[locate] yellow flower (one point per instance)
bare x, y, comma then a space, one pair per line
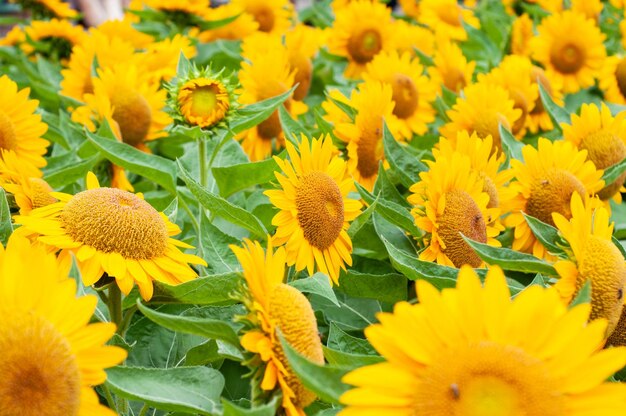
189, 7
361, 30
539, 119
124, 30
481, 110
408, 37
570, 47
604, 138
160, 59
590, 8
203, 102
411, 8
593, 258
20, 128
450, 200
241, 27
49, 8
412, 92
60, 36
51, 356
612, 79
545, 182
315, 210
273, 16
521, 34
451, 68
474, 351
274, 306
302, 43
115, 232
14, 37
446, 18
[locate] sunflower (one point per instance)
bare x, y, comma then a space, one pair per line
521, 34
273, 16
590, 8
594, 258
180, 10
28, 192
412, 92
570, 47
52, 38
114, 232
48, 8
124, 30
135, 104
539, 119
160, 59
409, 37
241, 27
545, 182
51, 356
446, 18
612, 79
481, 110
274, 306
410, 8
361, 30
450, 201
302, 43
604, 138
266, 73
315, 210
20, 128
451, 68
13, 37
474, 351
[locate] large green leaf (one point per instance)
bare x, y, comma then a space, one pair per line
510, 145
340, 340
234, 178
612, 173
362, 219
253, 114
207, 290
292, 129
391, 211
267, 409
214, 245
318, 284
350, 360
557, 113
6, 228
406, 165
70, 173
390, 287
194, 390
545, 233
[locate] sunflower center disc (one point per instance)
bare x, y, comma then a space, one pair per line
365, 45
454, 80
8, 140
40, 193
203, 101
605, 149
265, 18
568, 58
40, 376
405, 96
538, 76
553, 193
133, 115
369, 152
461, 215
112, 220
320, 209
620, 76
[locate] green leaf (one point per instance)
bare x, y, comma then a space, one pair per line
323, 380
216, 24
511, 260
345, 107
6, 228
207, 290
318, 284
583, 295
557, 114
204, 327
221, 207
362, 219
194, 390
349, 360
212, 351
214, 245
340, 340
619, 245
404, 164
71, 173
391, 211
510, 145
234, 178
153, 167
545, 233
292, 129
389, 287
253, 114
267, 409
612, 173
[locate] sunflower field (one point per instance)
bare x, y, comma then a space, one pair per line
352, 208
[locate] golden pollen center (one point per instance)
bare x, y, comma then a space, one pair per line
369, 152
40, 196
293, 316
132, 113
203, 101
605, 149
553, 193
363, 46
461, 216
620, 76
603, 264
40, 376
568, 58
405, 96
8, 139
112, 220
265, 18
454, 80
320, 209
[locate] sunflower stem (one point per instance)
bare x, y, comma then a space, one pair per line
144, 410
109, 397
115, 306
193, 219
126, 320
202, 161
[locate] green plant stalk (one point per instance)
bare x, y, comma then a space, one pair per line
114, 303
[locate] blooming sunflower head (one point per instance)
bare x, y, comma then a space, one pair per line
52, 38
570, 46
276, 307
544, 183
449, 203
51, 357
446, 18
241, 27
451, 68
521, 34
472, 350
114, 232
272, 16
315, 210
302, 43
48, 8
593, 258
613, 79
604, 138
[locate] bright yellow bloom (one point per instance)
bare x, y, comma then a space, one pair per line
272, 16
124, 30
408, 37
590, 8
242, 26
190, 7
203, 102
302, 43
411, 8
612, 79
521, 34
446, 18
539, 119
451, 68
50, 8
60, 35
13, 37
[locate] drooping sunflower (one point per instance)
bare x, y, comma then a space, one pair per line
446, 18
521, 34
474, 351
28, 191
361, 30
134, 103
48, 8
51, 356
481, 110
450, 200
241, 27
114, 232
412, 92
273, 16
315, 210
604, 138
594, 258
570, 47
52, 38
545, 182
274, 306
20, 128
451, 67
612, 79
